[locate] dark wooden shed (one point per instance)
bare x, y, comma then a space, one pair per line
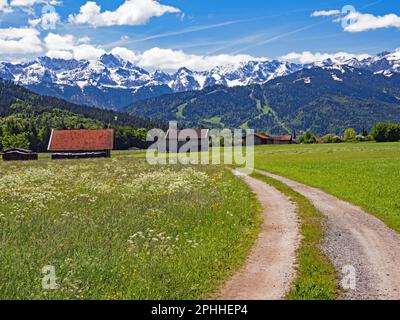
194, 140
19, 154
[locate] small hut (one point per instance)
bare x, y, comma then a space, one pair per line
194, 140
16, 154
78, 144
262, 138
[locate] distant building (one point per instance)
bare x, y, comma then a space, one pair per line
76, 144
195, 140
16, 154
287, 139
262, 138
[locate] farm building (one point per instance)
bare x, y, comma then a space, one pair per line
15, 154
195, 140
262, 138
77, 144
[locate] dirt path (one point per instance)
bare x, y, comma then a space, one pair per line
358, 239
270, 268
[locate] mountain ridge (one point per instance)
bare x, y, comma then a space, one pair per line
111, 82
325, 99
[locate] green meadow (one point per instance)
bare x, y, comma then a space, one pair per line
365, 174
122, 229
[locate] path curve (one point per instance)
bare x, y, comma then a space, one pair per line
270, 268
358, 239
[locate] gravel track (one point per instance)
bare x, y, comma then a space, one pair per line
270, 267
357, 239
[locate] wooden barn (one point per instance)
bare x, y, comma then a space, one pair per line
78, 144
262, 138
16, 154
196, 139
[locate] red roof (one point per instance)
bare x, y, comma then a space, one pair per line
81, 140
274, 138
283, 138
262, 136
192, 134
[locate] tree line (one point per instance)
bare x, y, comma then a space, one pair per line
30, 128
381, 132
26, 120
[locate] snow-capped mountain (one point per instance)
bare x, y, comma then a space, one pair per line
112, 82
110, 71
386, 63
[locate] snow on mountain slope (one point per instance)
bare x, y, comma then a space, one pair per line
110, 71
112, 75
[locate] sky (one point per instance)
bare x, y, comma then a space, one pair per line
197, 34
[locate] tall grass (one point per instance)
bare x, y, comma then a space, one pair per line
121, 229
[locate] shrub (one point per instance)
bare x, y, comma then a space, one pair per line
307, 138
369, 138
337, 139
360, 138
328, 138
385, 132
15, 141
349, 135
393, 132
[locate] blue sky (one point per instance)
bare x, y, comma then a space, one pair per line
200, 33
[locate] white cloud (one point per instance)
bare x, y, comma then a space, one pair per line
47, 20
19, 41
68, 47
57, 42
131, 12
325, 13
310, 57
168, 59
29, 3
60, 54
365, 21
125, 53
87, 51
5, 7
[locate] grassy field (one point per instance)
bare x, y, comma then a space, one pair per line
365, 174
121, 229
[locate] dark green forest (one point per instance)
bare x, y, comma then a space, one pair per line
26, 120
318, 100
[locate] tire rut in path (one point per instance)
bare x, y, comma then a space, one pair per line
358, 239
270, 268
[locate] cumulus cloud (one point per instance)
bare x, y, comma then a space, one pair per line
7, 6
68, 47
310, 57
19, 41
131, 12
168, 59
325, 13
364, 21
4, 6
125, 53
47, 20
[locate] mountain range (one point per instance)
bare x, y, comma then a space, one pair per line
324, 99
111, 82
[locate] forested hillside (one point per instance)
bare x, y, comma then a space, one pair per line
26, 120
321, 100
